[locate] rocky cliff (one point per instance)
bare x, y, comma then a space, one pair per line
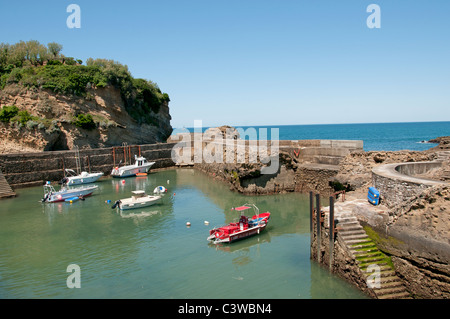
51, 125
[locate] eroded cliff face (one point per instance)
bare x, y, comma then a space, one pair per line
56, 112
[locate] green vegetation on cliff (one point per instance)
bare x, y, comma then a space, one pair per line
35, 65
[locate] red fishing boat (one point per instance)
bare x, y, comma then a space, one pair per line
245, 227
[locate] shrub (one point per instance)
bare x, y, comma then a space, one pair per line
54, 62
85, 121
24, 117
32, 124
8, 112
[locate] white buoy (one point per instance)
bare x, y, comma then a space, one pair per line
168, 182
206, 222
188, 224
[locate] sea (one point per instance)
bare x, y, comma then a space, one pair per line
413, 136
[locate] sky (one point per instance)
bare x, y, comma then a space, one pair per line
262, 62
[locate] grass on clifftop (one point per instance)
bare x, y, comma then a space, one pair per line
34, 65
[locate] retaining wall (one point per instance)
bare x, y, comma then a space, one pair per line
397, 183
29, 169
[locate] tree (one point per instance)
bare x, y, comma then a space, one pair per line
36, 53
16, 54
54, 48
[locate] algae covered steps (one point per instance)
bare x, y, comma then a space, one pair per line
5, 189
375, 266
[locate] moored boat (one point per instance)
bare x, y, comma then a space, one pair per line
73, 178
52, 196
245, 227
139, 199
141, 165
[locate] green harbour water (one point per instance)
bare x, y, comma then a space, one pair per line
150, 253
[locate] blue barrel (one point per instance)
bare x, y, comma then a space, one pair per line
373, 196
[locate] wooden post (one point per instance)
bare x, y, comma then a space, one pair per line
311, 211
89, 163
311, 217
318, 226
331, 224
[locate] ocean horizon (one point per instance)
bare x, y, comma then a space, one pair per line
393, 136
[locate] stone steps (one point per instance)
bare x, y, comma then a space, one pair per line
371, 261
442, 156
5, 189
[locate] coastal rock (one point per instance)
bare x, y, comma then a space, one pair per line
443, 141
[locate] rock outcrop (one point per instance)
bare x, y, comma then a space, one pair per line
444, 143
56, 131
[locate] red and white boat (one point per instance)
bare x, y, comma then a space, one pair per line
245, 227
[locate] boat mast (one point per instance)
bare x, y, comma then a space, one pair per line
77, 159
254, 207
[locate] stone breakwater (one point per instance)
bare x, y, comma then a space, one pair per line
300, 165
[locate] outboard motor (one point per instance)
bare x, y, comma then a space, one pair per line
159, 190
116, 204
45, 198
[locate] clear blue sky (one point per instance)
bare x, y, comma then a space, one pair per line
263, 62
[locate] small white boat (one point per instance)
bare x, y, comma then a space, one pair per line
52, 196
141, 165
73, 178
138, 200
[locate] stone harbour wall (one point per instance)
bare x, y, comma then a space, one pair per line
30, 169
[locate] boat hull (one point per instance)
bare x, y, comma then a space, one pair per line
129, 172
79, 180
135, 206
61, 196
238, 235
237, 231
128, 204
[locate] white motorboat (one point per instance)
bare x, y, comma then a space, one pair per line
138, 200
73, 178
141, 165
52, 196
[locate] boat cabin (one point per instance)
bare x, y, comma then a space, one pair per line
140, 161
137, 194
